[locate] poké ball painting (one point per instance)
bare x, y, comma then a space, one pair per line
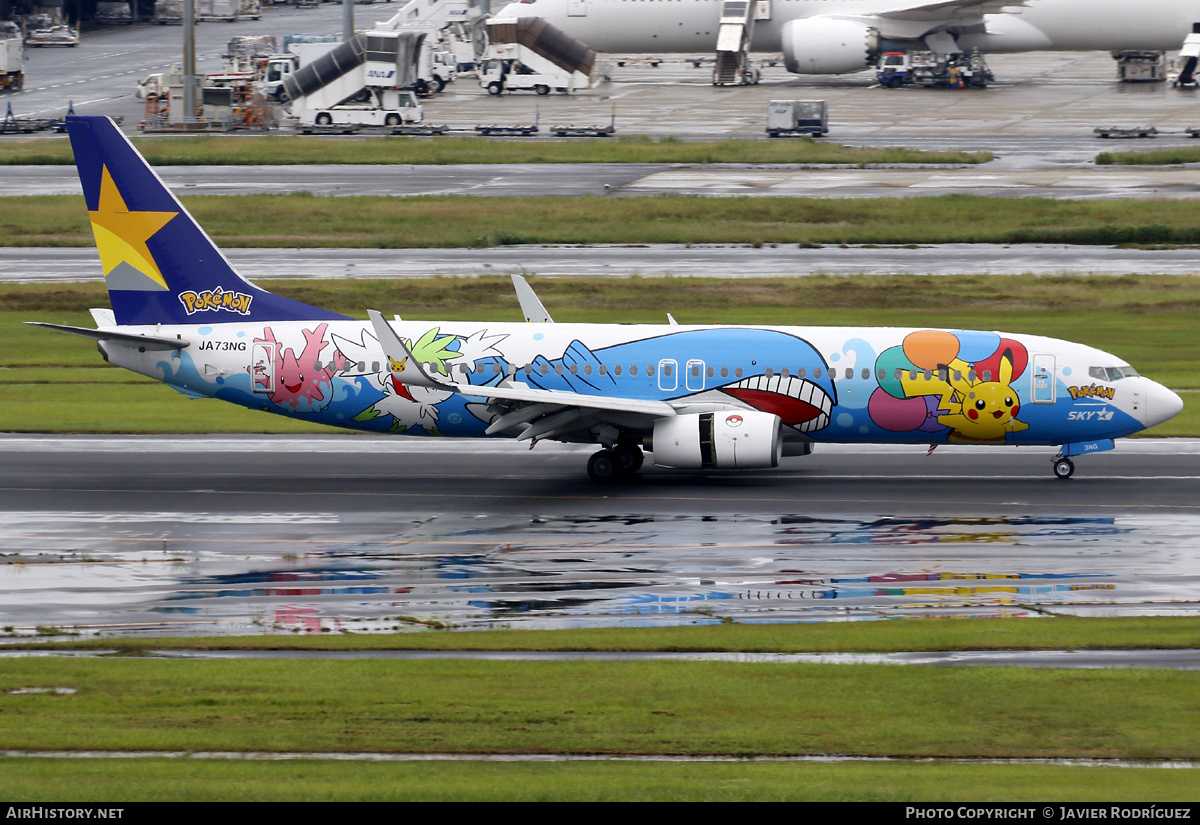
953, 384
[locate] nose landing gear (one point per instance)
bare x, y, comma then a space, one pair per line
1063, 467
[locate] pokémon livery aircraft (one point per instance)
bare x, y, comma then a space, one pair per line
693, 397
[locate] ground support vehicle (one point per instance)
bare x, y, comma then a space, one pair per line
367, 81
228, 10
1125, 131
1135, 66
377, 107
582, 131
168, 12
529, 54
60, 35
1183, 75
508, 131
927, 68
110, 13
12, 64
797, 117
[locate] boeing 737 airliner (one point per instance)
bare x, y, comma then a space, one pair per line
694, 397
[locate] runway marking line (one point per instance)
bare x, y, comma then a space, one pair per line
601, 495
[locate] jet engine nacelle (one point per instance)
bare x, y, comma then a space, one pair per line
727, 440
827, 45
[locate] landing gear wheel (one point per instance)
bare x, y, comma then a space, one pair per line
629, 458
1063, 468
603, 466
542, 89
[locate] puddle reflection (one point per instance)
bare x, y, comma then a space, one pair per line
494, 570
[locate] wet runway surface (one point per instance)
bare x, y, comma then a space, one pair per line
175, 535
42, 265
1025, 173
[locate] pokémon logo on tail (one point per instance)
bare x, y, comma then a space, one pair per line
159, 265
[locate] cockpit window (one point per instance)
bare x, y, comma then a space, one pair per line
1112, 373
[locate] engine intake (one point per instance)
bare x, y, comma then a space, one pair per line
828, 45
729, 440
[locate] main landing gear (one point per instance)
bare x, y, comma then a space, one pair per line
622, 461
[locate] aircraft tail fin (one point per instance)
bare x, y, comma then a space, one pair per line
159, 265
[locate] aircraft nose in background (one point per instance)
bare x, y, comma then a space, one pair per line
1161, 403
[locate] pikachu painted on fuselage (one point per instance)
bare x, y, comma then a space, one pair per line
700, 397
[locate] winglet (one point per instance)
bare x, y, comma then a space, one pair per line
401, 364
531, 307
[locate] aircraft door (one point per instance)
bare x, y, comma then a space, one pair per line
576, 8
262, 368
667, 379
693, 375
1043, 379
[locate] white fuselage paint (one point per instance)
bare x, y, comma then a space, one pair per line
690, 26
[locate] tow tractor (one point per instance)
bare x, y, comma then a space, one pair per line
927, 68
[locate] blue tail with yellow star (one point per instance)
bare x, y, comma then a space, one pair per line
159, 265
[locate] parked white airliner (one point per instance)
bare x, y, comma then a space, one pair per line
844, 36
695, 397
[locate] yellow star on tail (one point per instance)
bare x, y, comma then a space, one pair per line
121, 235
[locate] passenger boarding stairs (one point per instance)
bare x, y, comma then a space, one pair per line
457, 24
733, 44
431, 14
368, 60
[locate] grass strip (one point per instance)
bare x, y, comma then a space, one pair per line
1057, 633
1152, 157
304, 220
57, 383
625, 708
282, 150
33, 781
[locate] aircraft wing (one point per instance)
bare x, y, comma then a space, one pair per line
946, 10
542, 413
147, 341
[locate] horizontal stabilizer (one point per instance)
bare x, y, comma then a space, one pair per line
148, 341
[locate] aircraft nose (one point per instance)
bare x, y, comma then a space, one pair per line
1161, 404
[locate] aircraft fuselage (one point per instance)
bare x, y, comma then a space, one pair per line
690, 26
831, 384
